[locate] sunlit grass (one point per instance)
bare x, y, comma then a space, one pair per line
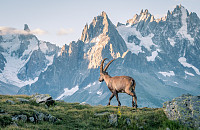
76, 116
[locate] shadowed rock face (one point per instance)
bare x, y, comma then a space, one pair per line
185, 109
26, 28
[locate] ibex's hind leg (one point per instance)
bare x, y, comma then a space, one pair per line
116, 95
112, 95
134, 104
132, 93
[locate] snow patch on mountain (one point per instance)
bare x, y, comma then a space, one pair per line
175, 82
12, 67
126, 31
183, 30
10, 43
169, 74
68, 92
171, 41
99, 92
183, 61
88, 86
14, 64
188, 73
17, 50
153, 55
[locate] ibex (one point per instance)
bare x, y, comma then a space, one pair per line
118, 84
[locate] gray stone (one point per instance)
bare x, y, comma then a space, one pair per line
41, 116
102, 113
31, 119
23, 100
19, 117
50, 102
39, 98
84, 103
52, 118
10, 102
23, 117
15, 118
113, 119
128, 121
2, 111
185, 109
141, 127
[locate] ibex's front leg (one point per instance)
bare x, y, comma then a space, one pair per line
116, 95
112, 95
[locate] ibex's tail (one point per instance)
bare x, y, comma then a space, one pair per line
133, 84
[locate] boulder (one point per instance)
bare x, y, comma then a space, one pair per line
31, 119
185, 109
20, 117
39, 98
23, 100
2, 111
50, 102
23, 118
41, 117
10, 102
113, 119
128, 121
52, 118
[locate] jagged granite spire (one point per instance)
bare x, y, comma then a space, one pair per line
143, 16
102, 40
100, 24
26, 28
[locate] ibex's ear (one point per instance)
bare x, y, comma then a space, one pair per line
108, 65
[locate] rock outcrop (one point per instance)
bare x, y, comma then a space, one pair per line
185, 109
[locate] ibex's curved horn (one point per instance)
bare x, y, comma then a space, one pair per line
108, 65
101, 67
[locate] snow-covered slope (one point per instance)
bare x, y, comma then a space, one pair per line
23, 56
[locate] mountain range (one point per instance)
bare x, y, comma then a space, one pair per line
162, 55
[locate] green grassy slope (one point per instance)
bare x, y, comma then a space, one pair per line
76, 116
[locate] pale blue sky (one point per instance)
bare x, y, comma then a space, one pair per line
63, 20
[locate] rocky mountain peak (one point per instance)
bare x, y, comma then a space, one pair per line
26, 28
102, 40
100, 24
103, 14
143, 16
64, 49
179, 10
